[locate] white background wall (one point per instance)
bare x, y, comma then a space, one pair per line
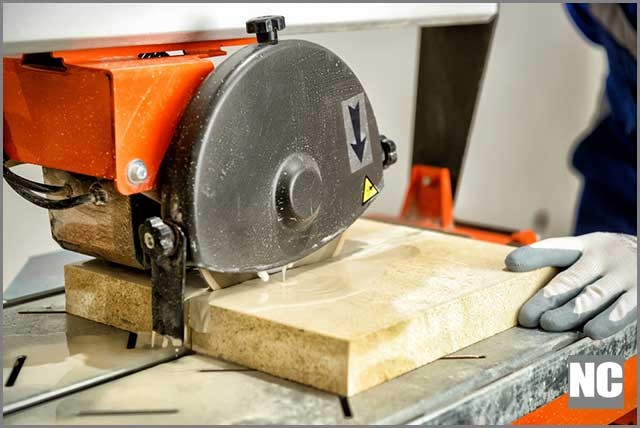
541, 87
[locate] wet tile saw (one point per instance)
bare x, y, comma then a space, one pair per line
155, 160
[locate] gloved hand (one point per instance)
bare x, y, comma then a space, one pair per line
599, 285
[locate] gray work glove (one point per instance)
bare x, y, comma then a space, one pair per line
599, 284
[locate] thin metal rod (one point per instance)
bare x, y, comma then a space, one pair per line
85, 384
463, 357
42, 311
126, 412
31, 297
225, 370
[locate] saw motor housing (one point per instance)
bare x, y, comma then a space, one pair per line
167, 164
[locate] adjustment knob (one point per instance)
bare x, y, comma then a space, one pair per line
157, 237
389, 151
266, 27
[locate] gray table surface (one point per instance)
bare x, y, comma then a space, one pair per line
93, 378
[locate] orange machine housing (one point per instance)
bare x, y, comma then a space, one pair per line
99, 109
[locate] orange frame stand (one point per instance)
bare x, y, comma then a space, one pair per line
429, 204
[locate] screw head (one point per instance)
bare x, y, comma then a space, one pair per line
137, 172
149, 241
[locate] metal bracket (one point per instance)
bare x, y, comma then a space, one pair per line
166, 254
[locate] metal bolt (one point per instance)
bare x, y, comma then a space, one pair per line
148, 241
137, 172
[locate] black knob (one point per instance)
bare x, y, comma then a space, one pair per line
266, 27
389, 152
158, 239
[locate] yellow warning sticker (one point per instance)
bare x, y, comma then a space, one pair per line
369, 190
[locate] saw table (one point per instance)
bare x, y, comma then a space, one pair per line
79, 371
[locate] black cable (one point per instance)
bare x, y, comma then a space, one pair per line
26, 189
10, 176
52, 204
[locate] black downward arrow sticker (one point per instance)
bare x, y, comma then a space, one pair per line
358, 147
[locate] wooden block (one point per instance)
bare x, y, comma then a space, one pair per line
116, 295
109, 293
395, 298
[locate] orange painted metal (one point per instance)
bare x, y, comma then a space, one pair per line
104, 110
59, 120
429, 198
429, 204
630, 418
557, 412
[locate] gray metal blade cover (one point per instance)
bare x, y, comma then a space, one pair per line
277, 153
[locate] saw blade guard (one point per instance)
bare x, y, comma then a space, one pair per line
277, 153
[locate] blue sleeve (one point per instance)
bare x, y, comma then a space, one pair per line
594, 30
580, 15
622, 79
631, 12
606, 157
